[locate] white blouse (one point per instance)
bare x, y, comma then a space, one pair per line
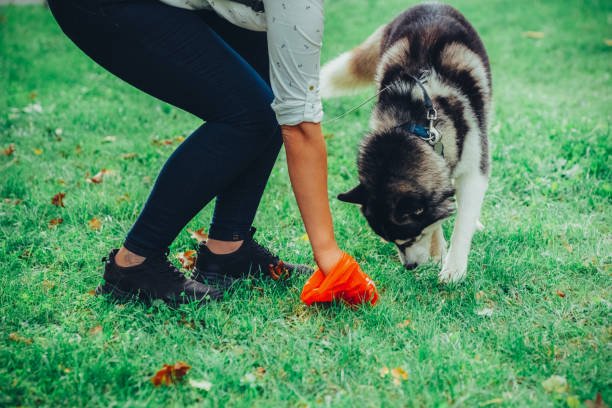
295, 35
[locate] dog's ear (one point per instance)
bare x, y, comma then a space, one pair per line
355, 196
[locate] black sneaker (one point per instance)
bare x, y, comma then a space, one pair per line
251, 259
155, 278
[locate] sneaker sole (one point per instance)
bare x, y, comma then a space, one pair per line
122, 295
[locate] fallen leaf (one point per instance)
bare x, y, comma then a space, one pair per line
12, 201
129, 156
9, 150
97, 179
305, 238
170, 374
568, 247
32, 95
109, 139
598, 403
560, 294
260, 371
47, 284
123, 197
480, 295
78, 149
384, 371
58, 199
95, 330
491, 402
404, 324
535, 35
94, 224
486, 312
55, 222
572, 401
17, 338
608, 42
187, 259
198, 235
38, 151
399, 375
201, 384
91, 292
179, 139
556, 384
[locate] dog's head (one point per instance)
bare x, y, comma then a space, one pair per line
405, 191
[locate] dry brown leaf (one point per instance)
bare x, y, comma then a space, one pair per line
170, 374
47, 284
97, 179
95, 330
404, 324
12, 201
399, 375
32, 95
260, 372
91, 292
129, 156
94, 224
598, 403
17, 338
560, 294
9, 150
187, 259
568, 247
535, 35
58, 199
55, 222
198, 235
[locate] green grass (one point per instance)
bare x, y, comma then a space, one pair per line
547, 217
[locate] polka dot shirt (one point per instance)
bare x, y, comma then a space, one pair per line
295, 35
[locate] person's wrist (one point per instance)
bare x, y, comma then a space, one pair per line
327, 258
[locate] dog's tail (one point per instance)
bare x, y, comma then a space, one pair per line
352, 70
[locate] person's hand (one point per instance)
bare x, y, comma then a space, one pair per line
345, 281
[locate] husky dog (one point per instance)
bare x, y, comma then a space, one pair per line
428, 140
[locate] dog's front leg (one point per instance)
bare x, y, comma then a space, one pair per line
438, 245
470, 191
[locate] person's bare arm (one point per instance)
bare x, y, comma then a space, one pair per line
307, 163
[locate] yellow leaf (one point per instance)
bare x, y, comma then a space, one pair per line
305, 238
38, 152
608, 42
536, 35
573, 401
404, 324
94, 224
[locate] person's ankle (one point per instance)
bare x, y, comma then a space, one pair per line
222, 247
126, 258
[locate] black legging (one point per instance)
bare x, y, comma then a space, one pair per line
208, 67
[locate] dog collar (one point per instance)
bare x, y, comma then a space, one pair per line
430, 134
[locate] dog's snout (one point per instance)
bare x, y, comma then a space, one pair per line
411, 266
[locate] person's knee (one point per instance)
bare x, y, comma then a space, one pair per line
261, 122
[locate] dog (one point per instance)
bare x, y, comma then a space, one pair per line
427, 152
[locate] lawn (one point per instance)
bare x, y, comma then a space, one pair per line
536, 302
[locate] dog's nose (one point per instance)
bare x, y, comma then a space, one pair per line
411, 266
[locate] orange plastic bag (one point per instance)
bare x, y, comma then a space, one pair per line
346, 281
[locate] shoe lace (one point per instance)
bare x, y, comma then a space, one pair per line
168, 267
276, 268
264, 254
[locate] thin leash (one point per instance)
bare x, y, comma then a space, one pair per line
353, 109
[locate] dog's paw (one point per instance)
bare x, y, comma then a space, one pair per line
452, 271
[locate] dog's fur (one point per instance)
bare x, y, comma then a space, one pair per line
406, 189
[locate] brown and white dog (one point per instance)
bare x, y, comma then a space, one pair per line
428, 140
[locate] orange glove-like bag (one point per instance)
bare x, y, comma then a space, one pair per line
346, 281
